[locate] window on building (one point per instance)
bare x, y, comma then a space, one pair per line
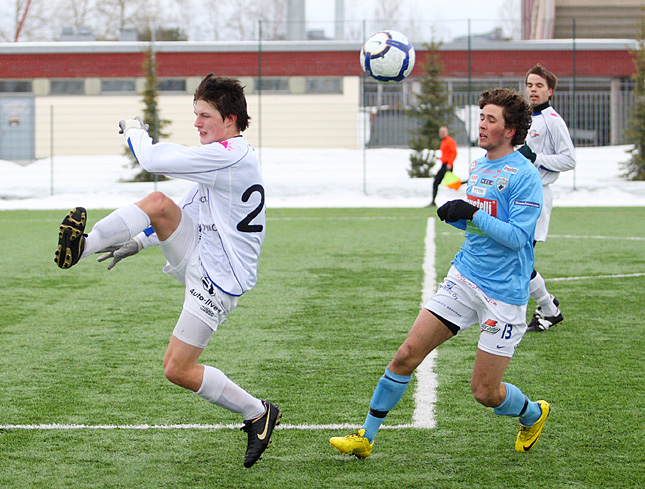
110, 85
272, 85
67, 87
15, 86
324, 85
172, 85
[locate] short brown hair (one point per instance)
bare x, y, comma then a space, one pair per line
539, 70
227, 96
516, 110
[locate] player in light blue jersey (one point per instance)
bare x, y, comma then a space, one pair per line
488, 283
211, 241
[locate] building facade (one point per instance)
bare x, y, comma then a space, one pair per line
67, 97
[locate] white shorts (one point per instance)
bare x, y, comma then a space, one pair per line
462, 303
202, 298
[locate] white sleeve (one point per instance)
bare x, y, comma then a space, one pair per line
564, 158
194, 163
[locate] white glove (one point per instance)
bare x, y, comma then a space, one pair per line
136, 123
120, 251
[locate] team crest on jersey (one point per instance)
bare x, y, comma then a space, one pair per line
502, 183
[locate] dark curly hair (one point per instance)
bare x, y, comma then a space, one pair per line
539, 70
227, 96
516, 110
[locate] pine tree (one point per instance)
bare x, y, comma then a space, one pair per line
432, 112
635, 133
150, 114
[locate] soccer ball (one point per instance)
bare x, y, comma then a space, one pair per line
387, 57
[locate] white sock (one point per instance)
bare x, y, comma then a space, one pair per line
218, 389
119, 226
537, 289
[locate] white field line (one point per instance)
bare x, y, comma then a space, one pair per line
425, 396
593, 277
142, 427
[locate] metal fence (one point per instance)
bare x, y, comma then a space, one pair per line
596, 112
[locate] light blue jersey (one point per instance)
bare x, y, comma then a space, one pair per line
497, 254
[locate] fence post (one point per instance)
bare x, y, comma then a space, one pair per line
51, 150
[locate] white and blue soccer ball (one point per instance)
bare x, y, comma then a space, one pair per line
387, 57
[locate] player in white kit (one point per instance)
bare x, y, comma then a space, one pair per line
211, 241
549, 147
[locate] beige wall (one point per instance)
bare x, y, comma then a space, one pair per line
88, 125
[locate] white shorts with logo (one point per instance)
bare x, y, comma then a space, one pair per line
202, 298
461, 302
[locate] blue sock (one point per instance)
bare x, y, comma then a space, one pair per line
388, 393
518, 405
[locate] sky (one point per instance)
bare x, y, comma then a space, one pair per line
304, 178
451, 16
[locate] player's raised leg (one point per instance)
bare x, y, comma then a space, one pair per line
71, 238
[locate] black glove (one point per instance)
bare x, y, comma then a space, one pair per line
455, 210
528, 153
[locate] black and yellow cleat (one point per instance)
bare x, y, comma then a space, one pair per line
259, 431
71, 238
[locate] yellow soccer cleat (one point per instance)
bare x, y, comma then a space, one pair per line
355, 443
529, 435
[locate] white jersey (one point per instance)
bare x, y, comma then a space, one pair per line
227, 203
549, 139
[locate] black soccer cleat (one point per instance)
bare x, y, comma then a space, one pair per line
260, 430
71, 240
540, 322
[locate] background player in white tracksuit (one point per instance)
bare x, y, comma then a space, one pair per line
487, 284
549, 147
211, 241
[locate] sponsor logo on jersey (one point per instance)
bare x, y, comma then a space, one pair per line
207, 227
473, 179
480, 191
489, 206
502, 183
510, 169
487, 182
527, 203
228, 146
534, 134
490, 327
494, 173
473, 165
